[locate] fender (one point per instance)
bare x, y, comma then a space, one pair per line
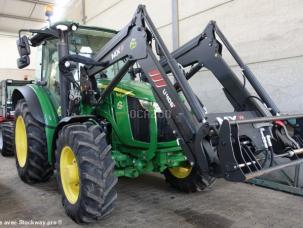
25, 92
65, 121
42, 110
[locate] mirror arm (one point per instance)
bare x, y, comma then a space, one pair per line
47, 31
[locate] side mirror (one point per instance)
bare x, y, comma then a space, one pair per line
23, 61
23, 46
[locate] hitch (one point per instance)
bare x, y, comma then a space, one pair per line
242, 160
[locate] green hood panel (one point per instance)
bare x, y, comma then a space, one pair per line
138, 89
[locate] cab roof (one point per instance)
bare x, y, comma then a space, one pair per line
52, 32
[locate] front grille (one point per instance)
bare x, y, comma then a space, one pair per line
165, 133
139, 120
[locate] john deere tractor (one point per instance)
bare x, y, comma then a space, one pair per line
103, 107
61, 126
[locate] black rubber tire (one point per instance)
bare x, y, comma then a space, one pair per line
36, 168
96, 171
7, 129
194, 182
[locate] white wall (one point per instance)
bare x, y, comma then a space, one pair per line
115, 14
8, 59
260, 30
264, 25
267, 34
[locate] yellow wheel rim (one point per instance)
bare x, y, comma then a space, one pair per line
21, 141
69, 174
180, 172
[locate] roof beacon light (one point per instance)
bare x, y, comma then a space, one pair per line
49, 10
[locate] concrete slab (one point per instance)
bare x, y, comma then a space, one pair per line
149, 202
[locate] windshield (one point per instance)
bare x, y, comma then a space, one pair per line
88, 41
84, 41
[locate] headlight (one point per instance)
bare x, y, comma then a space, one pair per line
74, 27
147, 105
62, 27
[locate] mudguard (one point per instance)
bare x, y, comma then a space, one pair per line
25, 92
68, 120
42, 110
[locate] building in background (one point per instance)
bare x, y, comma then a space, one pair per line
267, 35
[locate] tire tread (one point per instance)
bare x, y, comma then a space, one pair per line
97, 191
37, 167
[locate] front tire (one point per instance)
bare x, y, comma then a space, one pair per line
7, 138
187, 179
30, 147
87, 184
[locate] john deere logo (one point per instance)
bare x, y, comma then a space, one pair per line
133, 43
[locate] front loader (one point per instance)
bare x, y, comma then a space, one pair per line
104, 107
284, 141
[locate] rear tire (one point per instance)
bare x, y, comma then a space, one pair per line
87, 188
30, 146
192, 181
7, 138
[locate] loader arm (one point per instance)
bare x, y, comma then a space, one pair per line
216, 149
205, 51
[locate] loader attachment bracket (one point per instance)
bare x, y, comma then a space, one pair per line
229, 146
241, 162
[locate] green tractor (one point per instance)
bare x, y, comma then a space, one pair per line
104, 107
90, 145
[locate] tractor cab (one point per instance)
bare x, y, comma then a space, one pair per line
82, 41
6, 90
85, 41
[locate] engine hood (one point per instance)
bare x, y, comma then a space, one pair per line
138, 89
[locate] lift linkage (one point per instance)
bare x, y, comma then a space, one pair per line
236, 149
